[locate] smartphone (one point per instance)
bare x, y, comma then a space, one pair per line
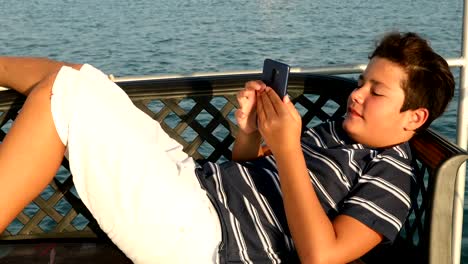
275, 74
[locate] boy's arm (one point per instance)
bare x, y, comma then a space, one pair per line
317, 239
247, 146
248, 140
23, 73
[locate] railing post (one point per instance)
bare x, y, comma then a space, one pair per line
462, 140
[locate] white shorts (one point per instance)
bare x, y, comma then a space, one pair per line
136, 180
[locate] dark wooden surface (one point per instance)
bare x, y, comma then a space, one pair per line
61, 252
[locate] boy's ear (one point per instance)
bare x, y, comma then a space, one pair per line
416, 118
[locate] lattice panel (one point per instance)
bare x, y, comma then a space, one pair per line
413, 230
213, 122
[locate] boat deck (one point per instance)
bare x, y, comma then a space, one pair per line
61, 252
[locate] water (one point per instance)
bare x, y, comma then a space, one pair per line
184, 36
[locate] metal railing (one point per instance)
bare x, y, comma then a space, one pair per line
462, 139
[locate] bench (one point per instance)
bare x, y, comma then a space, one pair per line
199, 113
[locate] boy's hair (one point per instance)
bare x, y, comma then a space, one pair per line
430, 83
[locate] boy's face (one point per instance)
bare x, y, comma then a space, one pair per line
373, 117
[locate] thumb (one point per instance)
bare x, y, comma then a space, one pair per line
292, 109
239, 114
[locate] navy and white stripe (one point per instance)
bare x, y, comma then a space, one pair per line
261, 200
234, 223
316, 138
389, 187
378, 211
353, 164
262, 233
401, 166
335, 168
400, 151
334, 134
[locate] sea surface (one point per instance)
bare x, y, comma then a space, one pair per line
155, 37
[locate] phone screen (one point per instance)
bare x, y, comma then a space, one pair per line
275, 74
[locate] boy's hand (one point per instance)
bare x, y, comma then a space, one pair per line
246, 115
279, 122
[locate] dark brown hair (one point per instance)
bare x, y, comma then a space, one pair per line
430, 83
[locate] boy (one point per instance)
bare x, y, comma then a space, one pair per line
308, 201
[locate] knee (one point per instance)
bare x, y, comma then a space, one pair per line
44, 87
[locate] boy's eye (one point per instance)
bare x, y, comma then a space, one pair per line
375, 93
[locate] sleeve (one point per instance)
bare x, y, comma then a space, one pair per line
381, 198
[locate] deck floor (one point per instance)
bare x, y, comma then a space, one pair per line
57, 253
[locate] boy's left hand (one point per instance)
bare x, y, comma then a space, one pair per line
246, 115
279, 122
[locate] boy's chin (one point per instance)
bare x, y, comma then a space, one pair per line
353, 130
349, 126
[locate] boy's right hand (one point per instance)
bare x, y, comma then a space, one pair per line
246, 115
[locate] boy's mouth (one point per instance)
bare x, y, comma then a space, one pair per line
353, 112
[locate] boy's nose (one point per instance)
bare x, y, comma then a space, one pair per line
357, 95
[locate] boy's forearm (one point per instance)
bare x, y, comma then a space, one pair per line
23, 73
247, 146
311, 228
317, 238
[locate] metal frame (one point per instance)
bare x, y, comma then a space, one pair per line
462, 140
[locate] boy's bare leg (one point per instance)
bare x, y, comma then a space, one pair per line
30, 154
24, 73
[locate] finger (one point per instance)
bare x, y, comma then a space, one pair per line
293, 110
276, 102
274, 97
268, 105
261, 114
244, 96
255, 85
262, 86
240, 95
290, 105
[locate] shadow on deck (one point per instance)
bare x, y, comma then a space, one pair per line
61, 252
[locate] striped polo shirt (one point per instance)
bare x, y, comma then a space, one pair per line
370, 185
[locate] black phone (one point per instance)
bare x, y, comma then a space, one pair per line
275, 75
